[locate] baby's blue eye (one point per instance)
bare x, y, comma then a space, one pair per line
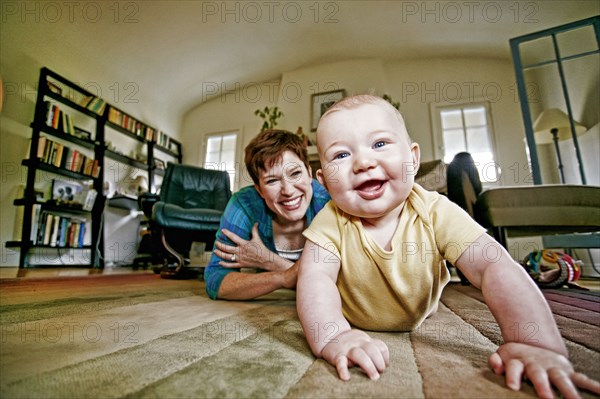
341, 155
379, 144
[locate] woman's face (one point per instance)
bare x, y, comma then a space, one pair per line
285, 185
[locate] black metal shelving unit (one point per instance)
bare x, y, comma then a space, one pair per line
56, 89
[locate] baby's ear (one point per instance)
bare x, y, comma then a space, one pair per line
320, 178
416, 155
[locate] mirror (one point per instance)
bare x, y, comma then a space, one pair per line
557, 73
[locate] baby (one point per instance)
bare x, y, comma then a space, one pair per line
375, 257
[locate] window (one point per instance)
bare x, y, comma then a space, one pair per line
220, 154
468, 128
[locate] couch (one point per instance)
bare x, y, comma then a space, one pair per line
521, 211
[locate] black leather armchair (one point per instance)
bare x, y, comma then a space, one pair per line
192, 200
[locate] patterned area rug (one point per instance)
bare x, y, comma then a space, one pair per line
141, 336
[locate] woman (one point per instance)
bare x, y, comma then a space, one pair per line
262, 225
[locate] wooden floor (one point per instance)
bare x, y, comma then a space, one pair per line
590, 283
47, 272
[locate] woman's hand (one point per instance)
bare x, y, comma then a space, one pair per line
543, 367
249, 253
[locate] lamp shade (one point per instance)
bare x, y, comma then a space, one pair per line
554, 118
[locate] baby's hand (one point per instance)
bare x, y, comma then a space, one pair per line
542, 367
355, 347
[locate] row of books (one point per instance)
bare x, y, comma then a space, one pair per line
62, 156
56, 230
62, 121
163, 139
131, 124
58, 119
94, 104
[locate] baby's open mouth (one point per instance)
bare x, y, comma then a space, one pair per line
370, 186
371, 190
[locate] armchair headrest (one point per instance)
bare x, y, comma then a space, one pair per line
193, 187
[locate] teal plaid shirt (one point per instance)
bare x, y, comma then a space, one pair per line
245, 208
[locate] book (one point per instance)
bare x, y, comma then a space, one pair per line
88, 165
49, 113
59, 154
71, 238
70, 235
35, 222
95, 104
41, 222
55, 226
81, 234
55, 117
41, 146
70, 125
47, 229
64, 226
96, 169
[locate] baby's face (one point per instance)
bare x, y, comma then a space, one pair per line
368, 162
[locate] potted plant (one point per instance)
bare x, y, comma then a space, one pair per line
269, 116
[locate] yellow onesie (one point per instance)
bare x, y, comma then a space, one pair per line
395, 290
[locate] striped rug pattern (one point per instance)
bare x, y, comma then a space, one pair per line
139, 336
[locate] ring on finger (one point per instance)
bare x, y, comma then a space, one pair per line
233, 258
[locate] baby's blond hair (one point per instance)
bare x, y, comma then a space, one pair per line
356, 101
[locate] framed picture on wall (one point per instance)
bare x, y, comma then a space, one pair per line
320, 102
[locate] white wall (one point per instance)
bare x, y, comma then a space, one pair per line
298, 86
415, 84
231, 112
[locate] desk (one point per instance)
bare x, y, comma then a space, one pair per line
123, 224
124, 202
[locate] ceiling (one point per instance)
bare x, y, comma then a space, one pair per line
173, 50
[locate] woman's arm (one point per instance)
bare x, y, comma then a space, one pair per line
242, 286
282, 273
249, 253
239, 221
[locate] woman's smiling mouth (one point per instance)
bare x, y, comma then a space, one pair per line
291, 204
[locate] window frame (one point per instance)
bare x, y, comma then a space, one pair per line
438, 132
234, 180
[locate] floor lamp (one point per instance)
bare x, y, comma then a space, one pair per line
553, 125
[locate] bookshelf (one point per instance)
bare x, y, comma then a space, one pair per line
69, 146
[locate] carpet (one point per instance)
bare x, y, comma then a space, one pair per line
139, 336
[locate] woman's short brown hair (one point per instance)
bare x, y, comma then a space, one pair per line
269, 146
